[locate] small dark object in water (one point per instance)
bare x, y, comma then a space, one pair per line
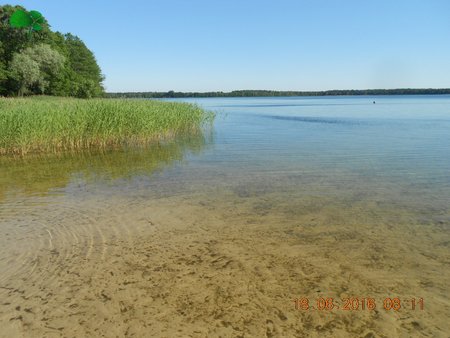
373, 102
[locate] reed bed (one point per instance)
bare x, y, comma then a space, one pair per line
49, 124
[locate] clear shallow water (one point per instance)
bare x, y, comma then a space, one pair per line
397, 137
300, 177
400, 140
403, 141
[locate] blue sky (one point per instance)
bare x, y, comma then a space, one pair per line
199, 45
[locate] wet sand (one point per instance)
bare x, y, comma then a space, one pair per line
223, 264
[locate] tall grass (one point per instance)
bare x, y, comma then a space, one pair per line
49, 124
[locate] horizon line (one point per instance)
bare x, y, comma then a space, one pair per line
286, 90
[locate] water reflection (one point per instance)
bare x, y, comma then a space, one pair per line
38, 174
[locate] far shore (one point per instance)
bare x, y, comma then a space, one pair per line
276, 93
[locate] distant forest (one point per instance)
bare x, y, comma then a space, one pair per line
261, 93
34, 60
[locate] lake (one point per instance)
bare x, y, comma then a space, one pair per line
289, 216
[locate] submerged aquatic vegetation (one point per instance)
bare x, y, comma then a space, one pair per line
48, 124
40, 173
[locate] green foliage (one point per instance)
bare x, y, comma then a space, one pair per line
3, 76
34, 68
25, 71
12, 41
87, 77
50, 61
46, 124
32, 20
3, 73
79, 75
86, 89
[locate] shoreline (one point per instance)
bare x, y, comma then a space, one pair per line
274, 93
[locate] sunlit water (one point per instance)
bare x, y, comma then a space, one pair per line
311, 170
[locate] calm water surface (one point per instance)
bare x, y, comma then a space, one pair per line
401, 142
282, 164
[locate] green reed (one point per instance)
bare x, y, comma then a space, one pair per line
50, 124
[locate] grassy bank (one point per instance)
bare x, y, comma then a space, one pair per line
51, 124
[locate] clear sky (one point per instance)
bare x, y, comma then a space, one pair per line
209, 45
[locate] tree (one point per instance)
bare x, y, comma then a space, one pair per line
25, 71
3, 73
79, 75
34, 68
87, 73
12, 39
3, 77
50, 61
86, 89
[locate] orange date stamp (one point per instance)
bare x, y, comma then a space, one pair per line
358, 304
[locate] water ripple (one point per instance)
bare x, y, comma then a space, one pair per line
311, 119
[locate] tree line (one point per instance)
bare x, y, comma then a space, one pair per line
262, 93
40, 61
